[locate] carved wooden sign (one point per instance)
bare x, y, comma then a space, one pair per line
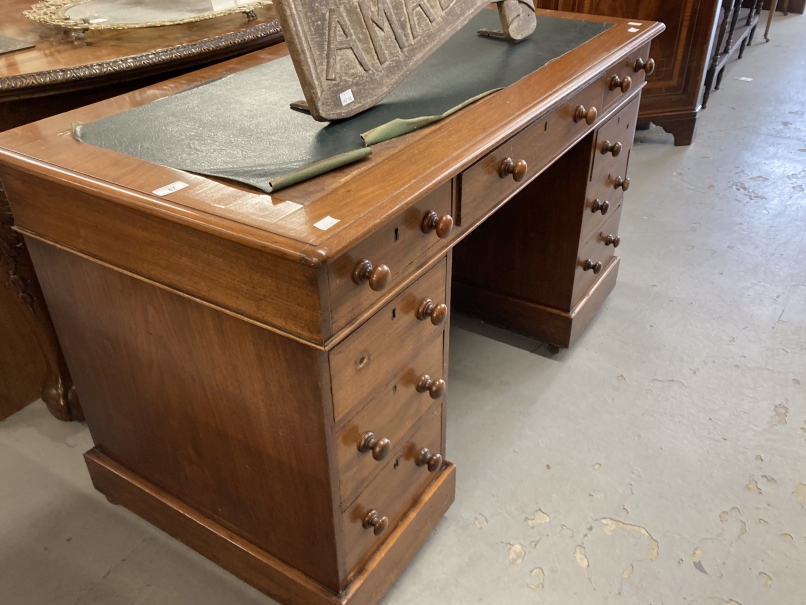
349, 54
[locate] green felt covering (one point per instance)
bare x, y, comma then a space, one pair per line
241, 127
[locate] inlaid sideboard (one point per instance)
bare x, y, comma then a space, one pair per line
55, 74
272, 392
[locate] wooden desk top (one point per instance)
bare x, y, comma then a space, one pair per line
58, 60
362, 196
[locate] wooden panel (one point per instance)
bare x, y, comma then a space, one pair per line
396, 245
391, 415
560, 328
244, 280
22, 367
596, 251
539, 145
366, 362
221, 414
392, 492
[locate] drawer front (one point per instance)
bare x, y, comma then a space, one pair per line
392, 493
372, 356
539, 144
395, 245
596, 250
601, 202
614, 142
613, 81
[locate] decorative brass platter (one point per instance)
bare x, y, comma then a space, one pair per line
133, 14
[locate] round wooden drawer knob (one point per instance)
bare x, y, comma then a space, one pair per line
614, 241
432, 461
647, 66
591, 266
589, 115
614, 148
378, 523
380, 448
600, 206
437, 313
378, 277
435, 388
443, 225
625, 83
621, 183
517, 169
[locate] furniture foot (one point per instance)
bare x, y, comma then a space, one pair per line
554, 349
111, 500
742, 47
719, 77
683, 129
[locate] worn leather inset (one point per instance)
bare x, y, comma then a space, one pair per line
242, 128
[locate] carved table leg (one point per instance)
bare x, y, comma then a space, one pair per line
58, 391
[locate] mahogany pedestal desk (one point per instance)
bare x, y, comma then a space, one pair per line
56, 74
274, 395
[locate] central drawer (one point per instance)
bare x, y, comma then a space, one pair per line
372, 356
485, 185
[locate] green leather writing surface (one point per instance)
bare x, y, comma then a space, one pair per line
242, 128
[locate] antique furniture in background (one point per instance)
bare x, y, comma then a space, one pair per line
269, 386
737, 27
59, 74
673, 95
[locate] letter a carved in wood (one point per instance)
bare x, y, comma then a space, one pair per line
350, 54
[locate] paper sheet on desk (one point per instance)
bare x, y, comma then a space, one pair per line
242, 128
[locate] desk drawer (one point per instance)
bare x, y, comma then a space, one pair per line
373, 355
597, 249
539, 144
614, 142
613, 82
395, 245
390, 416
392, 493
601, 203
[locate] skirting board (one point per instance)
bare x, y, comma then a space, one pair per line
256, 567
560, 328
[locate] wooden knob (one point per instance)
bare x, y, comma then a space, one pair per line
436, 388
375, 521
443, 225
599, 206
378, 277
614, 148
589, 115
621, 183
516, 169
624, 83
380, 448
612, 241
432, 461
437, 313
647, 66
591, 266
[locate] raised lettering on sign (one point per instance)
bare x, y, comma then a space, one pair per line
367, 47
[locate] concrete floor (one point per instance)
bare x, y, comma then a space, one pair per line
661, 460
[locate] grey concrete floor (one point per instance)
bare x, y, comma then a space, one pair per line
661, 460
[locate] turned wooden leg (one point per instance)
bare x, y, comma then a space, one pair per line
723, 28
58, 391
742, 47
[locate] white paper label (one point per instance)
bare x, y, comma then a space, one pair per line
633, 23
745, 79
173, 187
326, 223
632, 30
99, 20
347, 97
